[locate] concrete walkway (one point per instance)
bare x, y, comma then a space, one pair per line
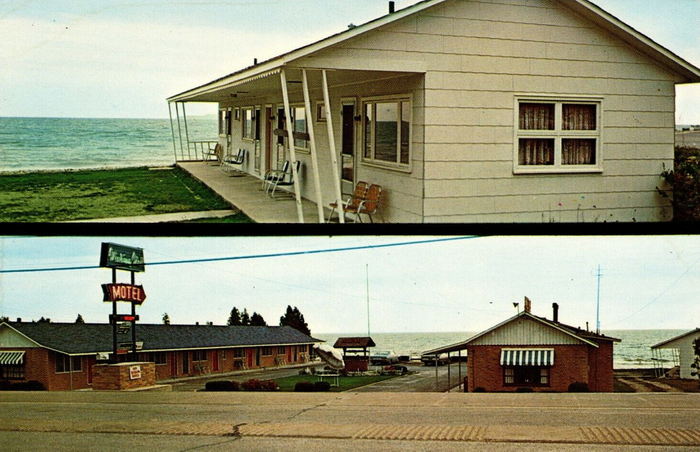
163, 218
244, 192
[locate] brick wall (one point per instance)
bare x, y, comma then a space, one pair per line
116, 377
601, 374
570, 365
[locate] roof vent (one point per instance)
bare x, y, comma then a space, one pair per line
392, 7
555, 312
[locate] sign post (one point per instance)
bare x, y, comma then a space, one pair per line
126, 258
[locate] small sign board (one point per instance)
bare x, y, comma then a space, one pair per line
134, 372
124, 292
122, 257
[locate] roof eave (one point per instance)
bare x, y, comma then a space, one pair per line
280, 61
638, 40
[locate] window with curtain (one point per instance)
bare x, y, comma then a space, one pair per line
387, 131
558, 136
247, 118
526, 376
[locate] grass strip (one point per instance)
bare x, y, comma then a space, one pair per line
94, 194
346, 383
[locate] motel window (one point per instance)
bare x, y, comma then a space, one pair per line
281, 350
526, 376
299, 124
387, 132
267, 351
199, 355
238, 352
159, 357
12, 371
247, 119
63, 363
224, 118
557, 136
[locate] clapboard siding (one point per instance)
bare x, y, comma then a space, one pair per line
557, 214
525, 332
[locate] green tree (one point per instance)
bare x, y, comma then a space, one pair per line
43, 320
166, 319
257, 320
4, 319
79, 319
245, 318
696, 363
295, 319
235, 318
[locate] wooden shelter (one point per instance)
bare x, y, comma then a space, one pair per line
355, 352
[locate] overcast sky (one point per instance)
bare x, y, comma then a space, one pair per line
122, 58
463, 285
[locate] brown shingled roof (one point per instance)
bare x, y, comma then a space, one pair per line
354, 342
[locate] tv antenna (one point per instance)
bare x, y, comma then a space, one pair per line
597, 307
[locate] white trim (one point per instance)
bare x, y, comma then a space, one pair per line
373, 162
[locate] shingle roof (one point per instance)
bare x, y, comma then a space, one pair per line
578, 331
76, 338
352, 342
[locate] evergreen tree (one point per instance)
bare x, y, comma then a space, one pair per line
257, 320
79, 319
166, 319
4, 319
235, 318
295, 319
696, 363
245, 318
44, 320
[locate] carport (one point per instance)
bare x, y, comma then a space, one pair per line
449, 349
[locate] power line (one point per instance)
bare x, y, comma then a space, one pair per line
251, 256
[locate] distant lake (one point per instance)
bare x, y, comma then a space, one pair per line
65, 143
633, 352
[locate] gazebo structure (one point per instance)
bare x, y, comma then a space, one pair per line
355, 352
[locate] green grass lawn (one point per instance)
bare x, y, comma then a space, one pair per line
79, 195
346, 383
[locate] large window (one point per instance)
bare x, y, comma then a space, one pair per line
526, 376
267, 351
557, 136
387, 131
238, 352
63, 363
199, 355
299, 124
12, 371
159, 357
247, 118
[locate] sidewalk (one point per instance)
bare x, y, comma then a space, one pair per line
163, 218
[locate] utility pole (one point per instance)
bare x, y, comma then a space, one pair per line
597, 308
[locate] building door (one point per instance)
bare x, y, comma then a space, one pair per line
215, 360
269, 127
249, 354
173, 364
185, 363
347, 155
289, 354
90, 362
257, 357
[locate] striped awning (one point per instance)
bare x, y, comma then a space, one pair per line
11, 358
527, 357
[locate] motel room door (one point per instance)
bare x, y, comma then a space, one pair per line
173, 364
269, 127
215, 360
249, 355
347, 155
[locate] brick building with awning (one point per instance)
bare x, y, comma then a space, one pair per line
61, 355
528, 351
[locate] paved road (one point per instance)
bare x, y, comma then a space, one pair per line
295, 421
420, 379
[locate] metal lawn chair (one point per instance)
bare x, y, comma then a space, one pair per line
352, 203
271, 175
213, 155
229, 163
284, 179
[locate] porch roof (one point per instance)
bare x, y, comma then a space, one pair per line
202, 93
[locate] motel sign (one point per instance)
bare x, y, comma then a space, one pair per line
124, 292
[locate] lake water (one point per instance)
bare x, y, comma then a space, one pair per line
633, 352
62, 143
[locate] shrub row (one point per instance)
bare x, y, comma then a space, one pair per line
250, 385
307, 386
684, 181
31, 385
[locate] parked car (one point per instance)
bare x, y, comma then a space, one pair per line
394, 370
385, 357
429, 359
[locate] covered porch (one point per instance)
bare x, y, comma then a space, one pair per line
336, 120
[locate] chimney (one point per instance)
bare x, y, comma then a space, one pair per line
555, 312
19, 319
255, 61
392, 7
528, 304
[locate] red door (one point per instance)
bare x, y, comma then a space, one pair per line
215, 361
249, 354
289, 354
90, 362
173, 364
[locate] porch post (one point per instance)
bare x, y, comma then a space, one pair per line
449, 375
292, 147
331, 149
179, 130
459, 367
187, 133
312, 143
172, 129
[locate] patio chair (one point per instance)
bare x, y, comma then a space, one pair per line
285, 180
229, 163
370, 204
352, 203
213, 155
271, 175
